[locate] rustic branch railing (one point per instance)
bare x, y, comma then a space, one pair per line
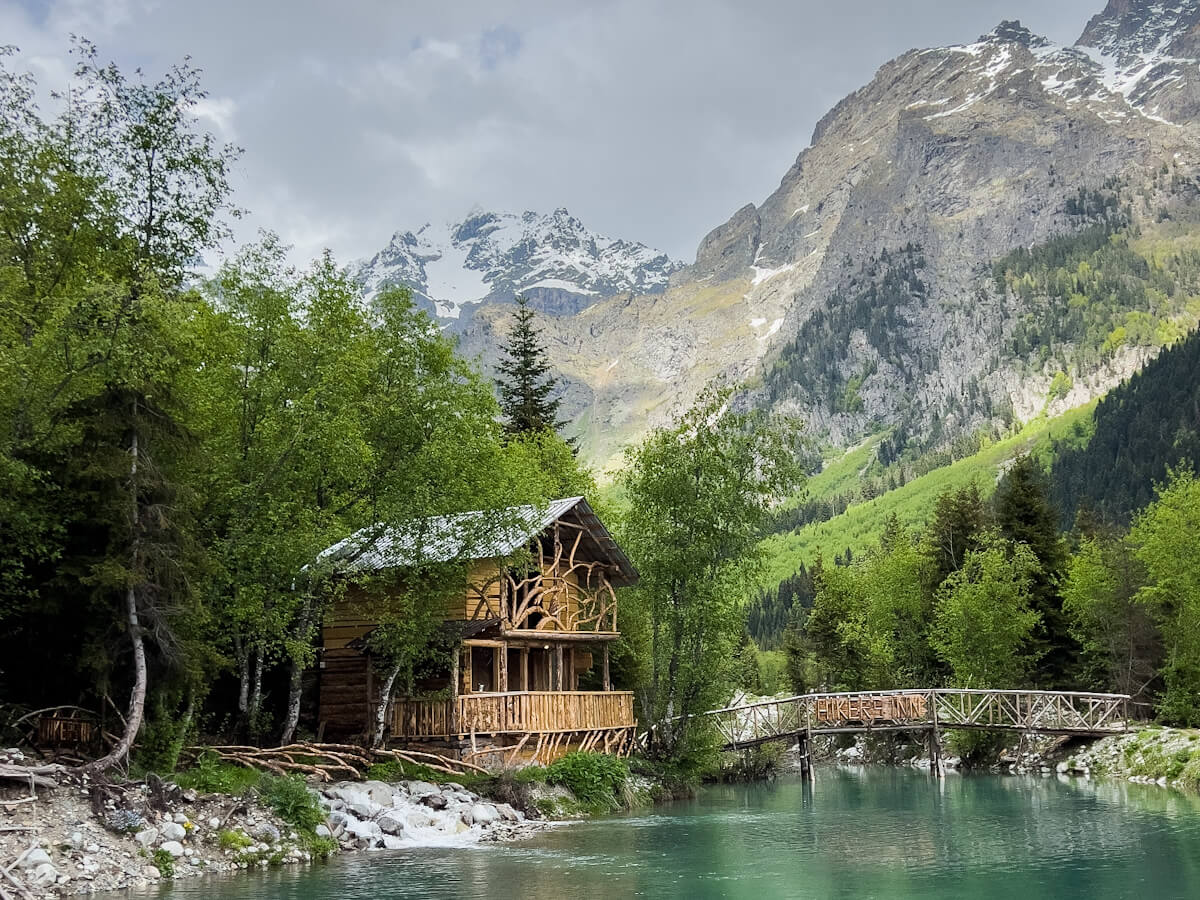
1040, 712
513, 712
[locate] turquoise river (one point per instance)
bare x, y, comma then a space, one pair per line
871, 833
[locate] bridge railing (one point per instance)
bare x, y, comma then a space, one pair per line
1045, 712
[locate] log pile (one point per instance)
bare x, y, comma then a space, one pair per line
328, 761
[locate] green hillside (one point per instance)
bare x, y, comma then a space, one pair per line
860, 525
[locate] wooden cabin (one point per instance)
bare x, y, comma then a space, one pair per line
533, 628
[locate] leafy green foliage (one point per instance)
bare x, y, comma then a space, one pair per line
210, 775
596, 779
233, 840
1164, 541
699, 496
289, 798
164, 862
985, 620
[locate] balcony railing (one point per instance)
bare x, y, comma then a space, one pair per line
513, 712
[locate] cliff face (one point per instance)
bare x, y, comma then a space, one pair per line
860, 293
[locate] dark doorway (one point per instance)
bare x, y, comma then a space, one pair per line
483, 669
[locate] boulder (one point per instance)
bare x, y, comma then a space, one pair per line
173, 847
146, 837
34, 858
364, 809
45, 875
507, 813
390, 823
172, 831
484, 814
151, 872
179, 818
265, 832
422, 788
365, 832
323, 831
435, 801
378, 792
214, 822
455, 786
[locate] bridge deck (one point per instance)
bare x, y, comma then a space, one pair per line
1038, 712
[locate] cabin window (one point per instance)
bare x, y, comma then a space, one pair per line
483, 669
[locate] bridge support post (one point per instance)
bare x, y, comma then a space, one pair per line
806, 760
935, 754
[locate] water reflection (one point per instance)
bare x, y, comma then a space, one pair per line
881, 833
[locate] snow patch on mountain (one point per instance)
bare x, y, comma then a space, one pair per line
490, 256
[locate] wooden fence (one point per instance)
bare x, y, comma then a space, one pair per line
513, 712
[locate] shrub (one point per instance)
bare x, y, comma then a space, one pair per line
594, 778
212, 776
291, 800
165, 863
233, 840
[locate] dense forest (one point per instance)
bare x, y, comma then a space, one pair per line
1141, 429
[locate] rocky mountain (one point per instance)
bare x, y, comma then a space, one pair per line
490, 257
872, 288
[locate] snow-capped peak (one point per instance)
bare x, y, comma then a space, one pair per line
490, 256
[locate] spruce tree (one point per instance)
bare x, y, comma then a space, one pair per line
1025, 515
526, 383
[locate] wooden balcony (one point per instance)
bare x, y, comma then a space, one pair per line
513, 712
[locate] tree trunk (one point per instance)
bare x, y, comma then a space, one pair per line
385, 699
137, 697
255, 706
243, 658
292, 718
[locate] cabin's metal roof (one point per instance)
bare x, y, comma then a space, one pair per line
478, 534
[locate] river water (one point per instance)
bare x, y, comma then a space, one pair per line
857, 833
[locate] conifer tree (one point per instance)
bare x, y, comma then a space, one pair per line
527, 384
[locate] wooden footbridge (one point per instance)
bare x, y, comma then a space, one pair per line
1027, 712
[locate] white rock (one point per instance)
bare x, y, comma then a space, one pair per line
484, 814
179, 818
173, 847
1062, 768
214, 822
45, 875
421, 788
34, 858
378, 792
146, 837
323, 831
364, 809
172, 831
151, 872
265, 832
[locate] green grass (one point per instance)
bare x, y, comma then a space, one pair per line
859, 526
841, 474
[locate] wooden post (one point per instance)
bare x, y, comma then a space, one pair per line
805, 761
607, 680
503, 680
570, 679
455, 675
524, 668
935, 745
370, 697
556, 668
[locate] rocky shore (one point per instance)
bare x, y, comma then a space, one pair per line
57, 846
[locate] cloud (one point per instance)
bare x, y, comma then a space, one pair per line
652, 122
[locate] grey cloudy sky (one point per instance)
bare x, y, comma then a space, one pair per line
650, 121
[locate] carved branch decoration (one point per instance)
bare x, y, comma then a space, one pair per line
564, 593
